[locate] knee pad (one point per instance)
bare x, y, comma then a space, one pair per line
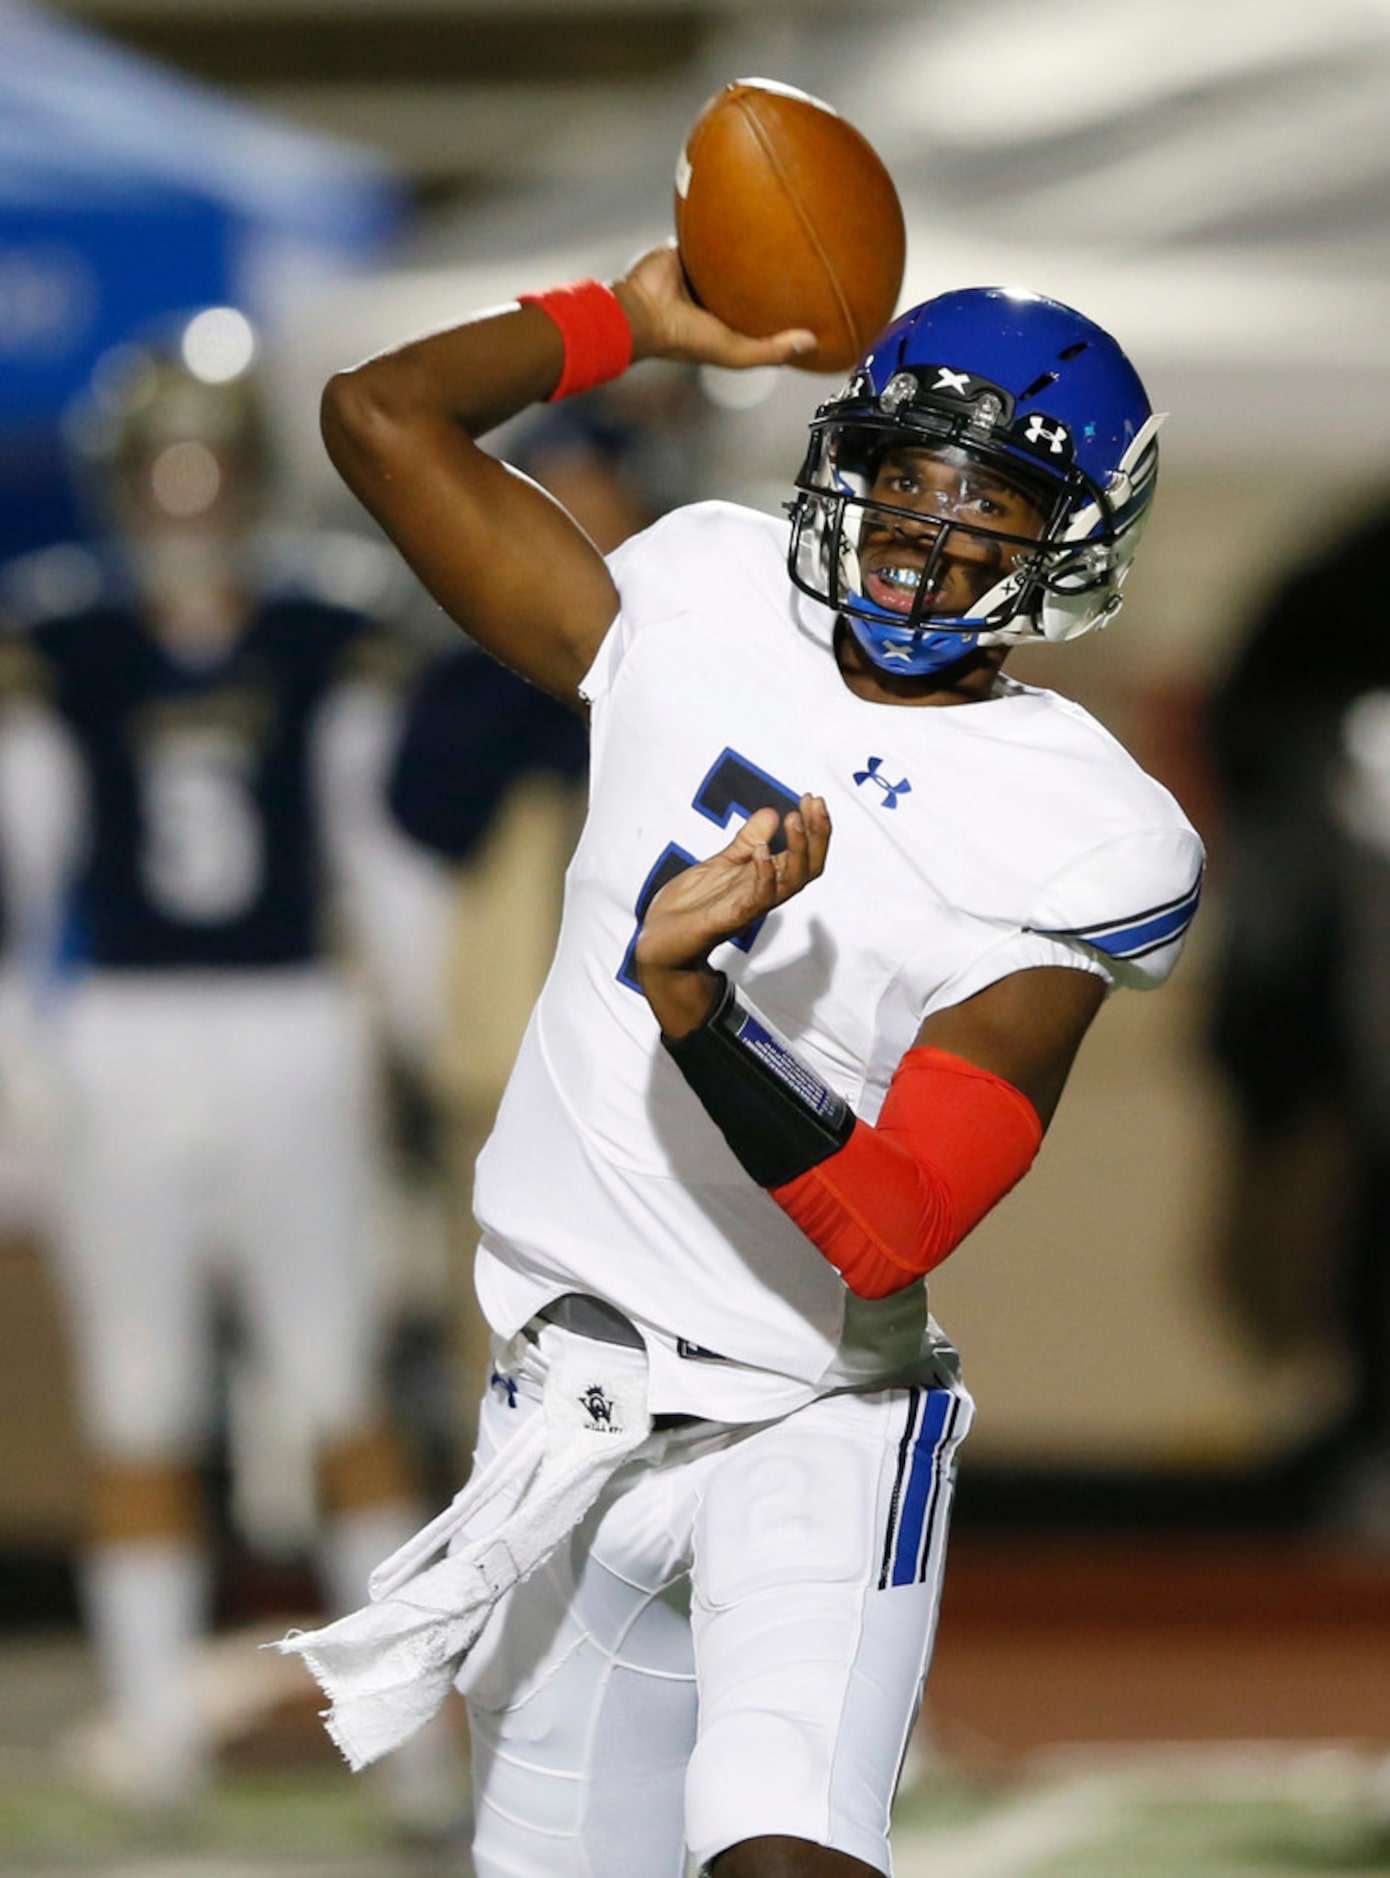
752, 1774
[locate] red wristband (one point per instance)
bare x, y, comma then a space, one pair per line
598, 339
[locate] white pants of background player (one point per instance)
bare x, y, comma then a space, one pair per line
733, 1643
218, 1126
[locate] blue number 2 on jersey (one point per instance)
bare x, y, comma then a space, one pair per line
733, 786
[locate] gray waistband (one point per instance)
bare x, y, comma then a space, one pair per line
591, 1317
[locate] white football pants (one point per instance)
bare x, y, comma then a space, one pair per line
733, 1643
218, 1123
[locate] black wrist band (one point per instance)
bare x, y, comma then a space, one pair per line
776, 1114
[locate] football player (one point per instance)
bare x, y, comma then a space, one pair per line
207, 734
772, 1079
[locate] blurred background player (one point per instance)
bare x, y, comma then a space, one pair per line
208, 735
1300, 1019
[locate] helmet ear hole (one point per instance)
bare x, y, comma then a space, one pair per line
1082, 571
1067, 611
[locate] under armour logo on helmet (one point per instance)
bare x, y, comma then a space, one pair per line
947, 380
1055, 436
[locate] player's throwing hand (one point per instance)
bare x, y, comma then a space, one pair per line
716, 899
667, 323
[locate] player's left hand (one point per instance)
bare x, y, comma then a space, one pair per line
716, 899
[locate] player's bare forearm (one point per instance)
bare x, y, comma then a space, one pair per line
714, 900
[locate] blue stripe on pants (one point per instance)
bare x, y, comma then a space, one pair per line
917, 1499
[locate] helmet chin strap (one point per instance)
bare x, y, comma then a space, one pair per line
851, 575
931, 651
998, 596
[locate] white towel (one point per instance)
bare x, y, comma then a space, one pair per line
387, 1667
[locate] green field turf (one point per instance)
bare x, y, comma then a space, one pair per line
287, 1809
1252, 1811
1228, 1812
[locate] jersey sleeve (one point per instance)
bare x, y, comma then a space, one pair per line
668, 570
629, 564
1120, 911
597, 682
1127, 903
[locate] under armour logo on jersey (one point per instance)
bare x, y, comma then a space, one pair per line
891, 791
947, 380
1055, 436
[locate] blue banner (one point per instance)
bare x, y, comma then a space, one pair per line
72, 283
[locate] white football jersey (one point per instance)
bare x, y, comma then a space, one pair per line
968, 842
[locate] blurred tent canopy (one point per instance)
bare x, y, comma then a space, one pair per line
127, 193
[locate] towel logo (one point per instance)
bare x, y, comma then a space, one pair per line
599, 1408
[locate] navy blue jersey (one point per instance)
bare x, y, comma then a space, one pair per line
471, 729
204, 846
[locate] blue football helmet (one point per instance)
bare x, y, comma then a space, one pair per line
982, 479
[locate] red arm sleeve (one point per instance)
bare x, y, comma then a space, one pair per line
951, 1140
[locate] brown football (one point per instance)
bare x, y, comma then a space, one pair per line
785, 216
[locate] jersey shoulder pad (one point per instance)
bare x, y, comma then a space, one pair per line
1130, 900
376, 656
707, 542
692, 557
68, 622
